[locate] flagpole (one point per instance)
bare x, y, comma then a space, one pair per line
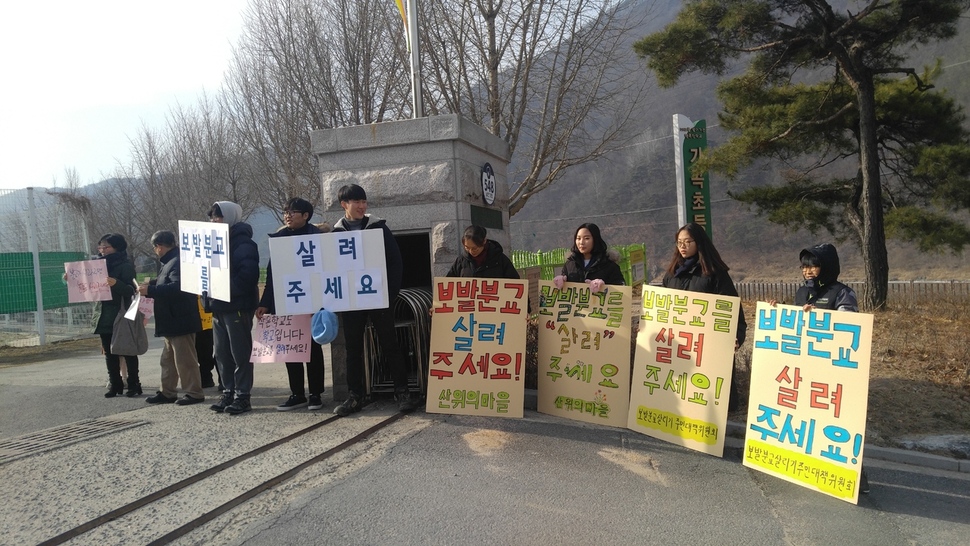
417, 104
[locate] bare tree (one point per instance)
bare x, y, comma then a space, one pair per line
304, 65
547, 76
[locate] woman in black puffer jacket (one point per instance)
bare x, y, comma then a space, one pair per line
113, 249
590, 262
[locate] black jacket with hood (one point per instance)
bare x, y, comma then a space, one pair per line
825, 291
496, 265
243, 264
269, 299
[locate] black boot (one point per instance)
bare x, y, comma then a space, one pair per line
114, 376
134, 384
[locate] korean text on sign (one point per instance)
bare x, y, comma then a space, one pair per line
281, 338
204, 258
477, 359
584, 352
342, 271
809, 392
682, 367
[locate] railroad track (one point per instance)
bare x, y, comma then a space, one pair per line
333, 444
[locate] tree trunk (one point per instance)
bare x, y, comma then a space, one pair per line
873, 235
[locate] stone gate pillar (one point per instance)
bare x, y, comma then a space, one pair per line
424, 176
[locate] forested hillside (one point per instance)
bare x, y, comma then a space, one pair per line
631, 192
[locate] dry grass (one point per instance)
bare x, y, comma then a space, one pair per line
919, 377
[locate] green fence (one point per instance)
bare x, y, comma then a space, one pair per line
17, 279
632, 261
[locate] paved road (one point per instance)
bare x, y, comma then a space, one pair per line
425, 479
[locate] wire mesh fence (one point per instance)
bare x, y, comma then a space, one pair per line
42, 229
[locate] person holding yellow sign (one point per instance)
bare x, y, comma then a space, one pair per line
590, 262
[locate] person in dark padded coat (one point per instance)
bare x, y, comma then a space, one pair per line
590, 262
232, 321
296, 217
113, 249
696, 266
177, 321
822, 289
482, 258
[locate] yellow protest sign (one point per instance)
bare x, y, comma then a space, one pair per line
477, 362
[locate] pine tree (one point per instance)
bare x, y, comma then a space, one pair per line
871, 149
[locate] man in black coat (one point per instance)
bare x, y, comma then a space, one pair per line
353, 200
296, 215
176, 321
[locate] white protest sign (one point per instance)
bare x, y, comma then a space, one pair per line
204, 257
342, 271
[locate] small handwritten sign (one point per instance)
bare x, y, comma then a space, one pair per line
87, 281
281, 338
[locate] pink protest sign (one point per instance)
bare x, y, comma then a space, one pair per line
281, 338
87, 281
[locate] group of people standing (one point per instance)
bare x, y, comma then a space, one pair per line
179, 316
694, 266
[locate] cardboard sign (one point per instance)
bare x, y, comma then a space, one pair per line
682, 368
809, 397
477, 362
584, 353
281, 338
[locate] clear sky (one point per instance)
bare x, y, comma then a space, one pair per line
80, 78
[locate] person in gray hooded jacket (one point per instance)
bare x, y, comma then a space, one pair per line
232, 321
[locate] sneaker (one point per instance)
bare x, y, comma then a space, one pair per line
188, 401
238, 406
350, 405
315, 402
406, 402
221, 405
292, 403
160, 398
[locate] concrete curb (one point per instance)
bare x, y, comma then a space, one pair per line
735, 439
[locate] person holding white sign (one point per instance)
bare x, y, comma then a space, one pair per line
113, 249
696, 266
353, 200
296, 217
232, 321
177, 322
590, 262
